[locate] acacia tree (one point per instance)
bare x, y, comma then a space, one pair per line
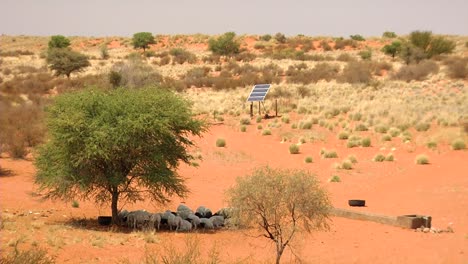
392, 49
64, 61
117, 145
280, 203
58, 42
142, 40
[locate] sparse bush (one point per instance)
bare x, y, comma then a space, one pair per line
352, 143
356, 72
31, 256
417, 72
308, 159
394, 132
115, 78
224, 45
343, 135
392, 49
366, 54
346, 165
458, 144
361, 127
389, 157
104, 52
381, 129
245, 121
345, 57
325, 46
75, 204
386, 137
303, 91
457, 67
352, 158
181, 56
335, 178
431, 144
379, 158
389, 34
342, 43
243, 128
259, 127
366, 142
266, 37
258, 119
266, 132
422, 159
306, 125
221, 143
357, 37
294, 149
440, 45
422, 127
285, 119
328, 154
280, 37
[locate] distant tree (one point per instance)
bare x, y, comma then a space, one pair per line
389, 34
65, 61
410, 53
392, 49
142, 40
421, 39
357, 37
280, 37
440, 45
266, 37
224, 45
281, 203
58, 42
116, 145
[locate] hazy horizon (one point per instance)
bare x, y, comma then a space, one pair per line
313, 18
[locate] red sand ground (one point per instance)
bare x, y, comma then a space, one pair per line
394, 188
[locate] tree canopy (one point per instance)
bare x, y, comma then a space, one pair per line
142, 40
58, 42
117, 145
65, 61
224, 44
280, 203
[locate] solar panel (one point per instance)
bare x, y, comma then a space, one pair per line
258, 93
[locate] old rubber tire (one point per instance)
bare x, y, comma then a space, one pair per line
357, 202
104, 220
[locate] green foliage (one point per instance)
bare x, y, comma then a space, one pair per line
245, 121
266, 132
366, 54
115, 145
181, 56
294, 149
343, 135
308, 159
65, 61
386, 137
431, 144
411, 54
115, 78
220, 142
328, 154
224, 45
421, 39
357, 37
258, 119
280, 37
422, 159
75, 204
458, 144
142, 40
346, 165
392, 49
422, 127
280, 203
243, 128
58, 42
266, 37
379, 158
440, 45
389, 34
335, 178
389, 157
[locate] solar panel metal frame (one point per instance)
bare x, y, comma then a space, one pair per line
258, 93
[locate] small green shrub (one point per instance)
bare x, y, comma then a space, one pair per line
389, 157
285, 119
346, 165
357, 37
361, 127
394, 132
258, 119
294, 126
266, 132
75, 204
422, 159
381, 129
352, 158
422, 127
386, 137
431, 144
379, 158
245, 121
458, 144
352, 143
343, 135
335, 178
389, 34
308, 159
366, 142
243, 128
259, 127
329, 154
306, 125
366, 54
294, 149
221, 142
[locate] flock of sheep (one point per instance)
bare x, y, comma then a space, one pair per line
183, 220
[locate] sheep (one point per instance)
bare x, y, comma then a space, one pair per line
165, 216
155, 221
203, 212
206, 223
185, 226
217, 220
183, 211
174, 221
195, 220
137, 218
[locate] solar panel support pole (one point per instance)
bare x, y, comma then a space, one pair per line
259, 108
251, 109
276, 107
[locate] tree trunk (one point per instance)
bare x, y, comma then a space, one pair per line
115, 211
279, 253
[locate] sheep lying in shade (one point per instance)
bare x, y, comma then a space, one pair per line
206, 223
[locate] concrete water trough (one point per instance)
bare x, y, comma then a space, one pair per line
405, 221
